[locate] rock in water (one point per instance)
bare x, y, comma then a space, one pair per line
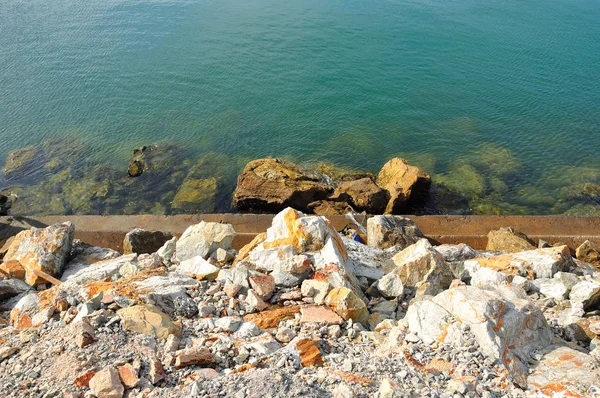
408, 185
203, 239
387, 231
363, 195
136, 163
271, 185
44, 249
509, 240
21, 162
141, 241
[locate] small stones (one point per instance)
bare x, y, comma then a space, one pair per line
285, 335
263, 285
128, 375
156, 371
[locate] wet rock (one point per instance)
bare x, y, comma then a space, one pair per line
203, 239
421, 264
196, 196
141, 241
462, 179
347, 304
509, 240
586, 253
329, 207
107, 384
149, 320
6, 202
272, 185
387, 231
20, 163
408, 185
136, 163
362, 195
44, 249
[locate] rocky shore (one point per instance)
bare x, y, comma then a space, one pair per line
302, 310
59, 177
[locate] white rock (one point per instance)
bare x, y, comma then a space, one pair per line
265, 344
204, 238
316, 289
266, 259
521, 282
229, 323
559, 286
586, 292
42, 317
486, 276
199, 268
391, 286
167, 250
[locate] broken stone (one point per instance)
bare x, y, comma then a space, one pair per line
408, 185
141, 241
559, 286
265, 344
390, 286
587, 293
586, 253
347, 305
156, 372
198, 268
44, 249
509, 240
167, 250
309, 353
107, 384
204, 238
194, 356
149, 320
12, 287
263, 285
315, 289
255, 301
285, 335
320, 315
270, 318
388, 231
128, 375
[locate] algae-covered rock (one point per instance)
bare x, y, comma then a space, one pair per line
570, 175
496, 160
464, 179
196, 196
487, 207
583, 210
21, 163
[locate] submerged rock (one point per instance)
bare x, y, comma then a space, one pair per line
273, 184
21, 163
196, 196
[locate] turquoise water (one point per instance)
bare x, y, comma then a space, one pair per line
350, 82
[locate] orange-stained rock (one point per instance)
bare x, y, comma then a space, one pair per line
243, 253
408, 185
263, 285
310, 355
128, 375
13, 269
509, 240
156, 372
194, 356
270, 319
61, 305
273, 184
83, 380
319, 314
347, 305
44, 249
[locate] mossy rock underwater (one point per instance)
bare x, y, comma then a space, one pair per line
463, 179
196, 196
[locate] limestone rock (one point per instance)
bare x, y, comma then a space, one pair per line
586, 253
389, 389
367, 261
12, 269
390, 286
107, 384
141, 241
6, 352
204, 238
167, 250
263, 285
506, 325
363, 195
587, 293
315, 289
265, 344
347, 304
265, 260
387, 231
12, 287
408, 185
148, 320
559, 286
509, 240
198, 268
44, 249
85, 256
272, 185
255, 301
421, 263
128, 375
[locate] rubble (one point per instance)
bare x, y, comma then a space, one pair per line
301, 311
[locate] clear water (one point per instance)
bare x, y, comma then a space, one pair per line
353, 82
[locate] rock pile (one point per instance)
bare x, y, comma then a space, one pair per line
299, 311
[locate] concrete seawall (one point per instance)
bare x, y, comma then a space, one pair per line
109, 231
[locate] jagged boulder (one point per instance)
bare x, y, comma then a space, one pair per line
408, 185
509, 240
141, 241
45, 249
362, 195
586, 253
507, 326
387, 231
272, 185
203, 239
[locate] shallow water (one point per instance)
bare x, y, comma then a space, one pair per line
350, 82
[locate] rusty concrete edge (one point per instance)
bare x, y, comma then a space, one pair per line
108, 231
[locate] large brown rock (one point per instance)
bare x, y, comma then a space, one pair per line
509, 240
44, 249
141, 241
586, 253
363, 195
408, 185
271, 185
329, 207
